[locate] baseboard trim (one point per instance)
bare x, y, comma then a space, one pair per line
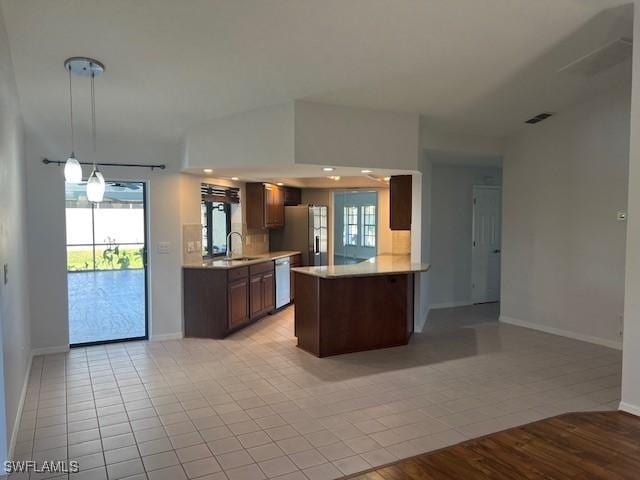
422, 321
50, 350
166, 336
16, 421
463, 303
629, 408
563, 333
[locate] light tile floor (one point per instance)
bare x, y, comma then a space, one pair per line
253, 406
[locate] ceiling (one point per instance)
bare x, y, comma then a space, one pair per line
171, 65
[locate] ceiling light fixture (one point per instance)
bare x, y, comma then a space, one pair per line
328, 169
366, 171
72, 167
207, 170
235, 179
86, 67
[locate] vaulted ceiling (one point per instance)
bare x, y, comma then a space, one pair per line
477, 66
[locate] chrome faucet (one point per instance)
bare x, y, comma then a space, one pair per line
229, 249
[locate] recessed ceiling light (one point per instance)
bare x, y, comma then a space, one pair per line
366, 171
208, 170
328, 169
235, 179
280, 184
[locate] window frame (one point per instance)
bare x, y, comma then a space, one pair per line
366, 226
209, 226
347, 214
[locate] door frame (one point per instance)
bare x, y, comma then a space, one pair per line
475, 188
145, 263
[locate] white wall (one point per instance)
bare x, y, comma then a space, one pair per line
631, 350
355, 137
260, 137
47, 260
15, 342
421, 234
451, 222
563, 252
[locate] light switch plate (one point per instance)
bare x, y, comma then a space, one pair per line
164, 247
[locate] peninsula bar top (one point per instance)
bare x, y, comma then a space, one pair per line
351, 308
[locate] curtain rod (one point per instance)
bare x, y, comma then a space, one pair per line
162, 166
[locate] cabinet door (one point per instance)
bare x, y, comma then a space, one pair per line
238, 293
268, 292
256, 295
274, 206
400, 202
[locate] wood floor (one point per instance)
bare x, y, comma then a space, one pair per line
593, 445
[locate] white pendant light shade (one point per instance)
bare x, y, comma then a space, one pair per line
72, 170
95, 187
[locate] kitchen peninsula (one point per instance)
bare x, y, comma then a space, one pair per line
351, 308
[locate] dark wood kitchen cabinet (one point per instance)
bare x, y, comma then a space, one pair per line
265, 206
400, 202
238, 293
263, 289
296, 261
219, 301
292, 196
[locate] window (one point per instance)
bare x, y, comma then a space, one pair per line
368, 225
350, 233
216, 225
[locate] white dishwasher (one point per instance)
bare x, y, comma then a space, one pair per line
283, 280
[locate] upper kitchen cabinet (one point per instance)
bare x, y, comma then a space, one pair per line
400, 202
292, 196
264, 206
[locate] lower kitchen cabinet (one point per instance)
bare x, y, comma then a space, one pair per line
238, 293
263, 288
219, 301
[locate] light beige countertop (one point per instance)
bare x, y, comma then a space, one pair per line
380, 265
220, 264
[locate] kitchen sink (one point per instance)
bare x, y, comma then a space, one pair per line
240, 259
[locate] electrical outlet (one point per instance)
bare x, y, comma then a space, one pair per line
164, 247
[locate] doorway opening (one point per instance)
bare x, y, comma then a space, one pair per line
107, 264
355, 227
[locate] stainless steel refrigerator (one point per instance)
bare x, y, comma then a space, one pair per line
305, 229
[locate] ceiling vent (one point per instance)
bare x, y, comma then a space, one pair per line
601, 59
538, 118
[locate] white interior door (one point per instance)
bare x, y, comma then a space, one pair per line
485, 256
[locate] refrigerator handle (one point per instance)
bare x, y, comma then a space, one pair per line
317, 245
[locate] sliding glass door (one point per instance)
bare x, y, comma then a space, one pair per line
106, 264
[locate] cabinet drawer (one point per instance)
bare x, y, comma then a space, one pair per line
237, 273
262, 267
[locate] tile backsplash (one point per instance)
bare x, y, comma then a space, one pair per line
401, 242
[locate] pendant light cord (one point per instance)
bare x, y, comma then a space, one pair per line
73, 148
93, 108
